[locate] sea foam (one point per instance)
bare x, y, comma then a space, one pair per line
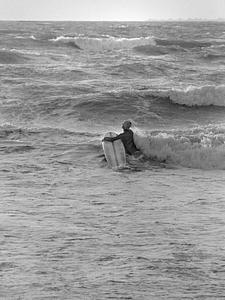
202, 148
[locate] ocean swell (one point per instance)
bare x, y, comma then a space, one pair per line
10, 57
150, 50
11, 133
213, 56
182, 43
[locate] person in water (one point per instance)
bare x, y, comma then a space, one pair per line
127, 138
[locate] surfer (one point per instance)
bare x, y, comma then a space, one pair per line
127, 138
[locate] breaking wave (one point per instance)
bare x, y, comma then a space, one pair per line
107, 42
202, 148
199, 96
103, 43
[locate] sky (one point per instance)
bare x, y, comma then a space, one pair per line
110, 10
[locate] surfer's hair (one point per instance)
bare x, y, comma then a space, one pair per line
127, 124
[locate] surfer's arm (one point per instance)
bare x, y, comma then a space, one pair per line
112, 139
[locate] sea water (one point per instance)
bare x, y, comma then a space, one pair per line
71, 228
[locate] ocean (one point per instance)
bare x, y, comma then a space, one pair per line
72, 228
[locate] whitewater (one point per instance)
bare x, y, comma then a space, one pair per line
72, 228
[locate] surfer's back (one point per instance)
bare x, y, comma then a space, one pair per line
127, 137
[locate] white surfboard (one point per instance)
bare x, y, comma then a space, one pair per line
114, 152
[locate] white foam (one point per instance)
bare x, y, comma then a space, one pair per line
202, 148
205, 95
105, 43
23, 51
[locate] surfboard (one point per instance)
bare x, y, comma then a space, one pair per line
114, 152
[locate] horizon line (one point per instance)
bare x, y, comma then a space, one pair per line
148, 20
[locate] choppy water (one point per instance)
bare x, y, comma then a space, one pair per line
70, 227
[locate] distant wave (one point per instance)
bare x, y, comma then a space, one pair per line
66, 41
182, 43
147, 45
129, 69
201, 147
103, 43
25, 52
10, 31
162, 47
121, 26
213, 56
16, 148
10, 57
205, 95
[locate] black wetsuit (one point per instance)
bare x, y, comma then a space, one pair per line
128, 141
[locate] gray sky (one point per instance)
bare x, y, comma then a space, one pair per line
119, 10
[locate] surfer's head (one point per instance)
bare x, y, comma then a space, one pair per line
126, 124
